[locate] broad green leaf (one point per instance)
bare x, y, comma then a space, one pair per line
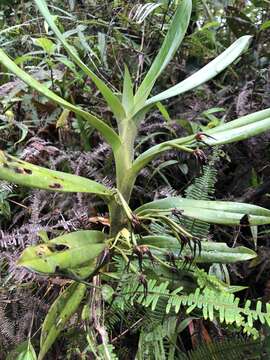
236, 130
214, 212
26, 174
107, 132
83, 272
109, 96
28, 353
127, 98
210, 251
208, 72
170, 45
71, 251
60, 312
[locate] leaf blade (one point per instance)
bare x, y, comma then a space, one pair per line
170, 45
27, 174
207, 73
60, 312
214, 212
109, 96
127, 98
107, 132
235, 130
210, 251
67, 252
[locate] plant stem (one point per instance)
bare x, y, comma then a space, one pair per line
124, 157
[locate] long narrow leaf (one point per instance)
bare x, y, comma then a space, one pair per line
170, 45
214, 212
127, 98
236, 130
244, 132
109, 96
60, 312
108, 133
26, 174
210, 251
208, 72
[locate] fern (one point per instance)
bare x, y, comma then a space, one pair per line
205, 280
211, 303
5, 193
151, 344
203, 188
104, 351
234, 349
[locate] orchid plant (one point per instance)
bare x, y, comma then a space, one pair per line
81, 253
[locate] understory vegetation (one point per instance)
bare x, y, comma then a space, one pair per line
134, 180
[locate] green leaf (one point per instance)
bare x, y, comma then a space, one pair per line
238, 134
242, 121
46, 44
127, 98
109, 96
26, 174
236, 130
208, 72
24, 130
265, 25
60, 312
163, 111
170, 45
214, 212
210, 251
240, 129
107, 132
71, 251
27, 354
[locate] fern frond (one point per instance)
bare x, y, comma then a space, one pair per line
212, 303
151, 344
234, 349
206, 280
203, 188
